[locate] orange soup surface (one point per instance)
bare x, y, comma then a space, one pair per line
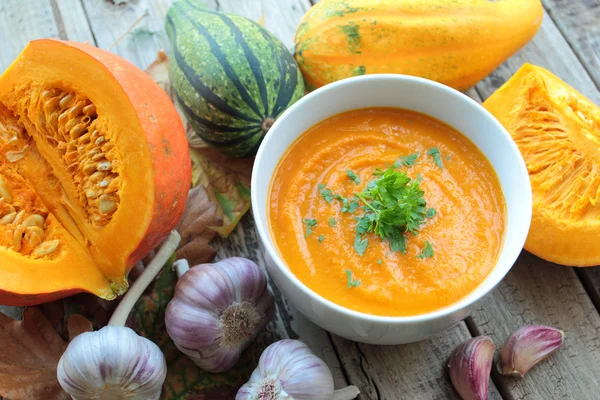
315, 231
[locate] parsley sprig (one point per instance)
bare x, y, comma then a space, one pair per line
394, 205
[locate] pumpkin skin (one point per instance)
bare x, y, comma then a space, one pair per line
138, 151
232, 77
455, 42
557, 130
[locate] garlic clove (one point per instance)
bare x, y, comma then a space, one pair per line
470, 366
112, 363
527, 346
287, 370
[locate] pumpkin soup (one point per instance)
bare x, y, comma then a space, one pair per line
387, 212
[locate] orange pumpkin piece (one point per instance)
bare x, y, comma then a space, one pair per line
94, 171
557, 130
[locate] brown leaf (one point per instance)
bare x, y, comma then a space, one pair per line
31, 349
78, 324
200, 214
226, 179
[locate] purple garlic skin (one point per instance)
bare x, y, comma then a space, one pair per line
527, 346
112, 363
470, 366
288, 369
218, 310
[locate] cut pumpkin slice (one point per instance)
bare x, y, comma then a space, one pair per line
557, 130
94, 171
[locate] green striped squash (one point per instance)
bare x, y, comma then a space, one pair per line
232, 77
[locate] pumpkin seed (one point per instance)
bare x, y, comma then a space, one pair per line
34, 220
65, 101
89, 168
46, 248
99, 140
76, 109
107, 204
5, 192
97, 176
90, 194
98, 157
77, 130
90, 110
48, 93
8, 218
50, 104
18, 238
103, 183
84, 139
71, 123
19, 217
34, 236
63, 117
104, 166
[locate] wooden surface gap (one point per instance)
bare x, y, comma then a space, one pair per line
60, 25
87, 20
589, 284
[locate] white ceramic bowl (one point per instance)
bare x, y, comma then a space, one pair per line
427, 97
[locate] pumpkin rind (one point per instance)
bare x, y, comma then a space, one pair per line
455, 42
232, 77
557, 130
150, 158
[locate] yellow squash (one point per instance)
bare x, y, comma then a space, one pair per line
455, 42
557, 130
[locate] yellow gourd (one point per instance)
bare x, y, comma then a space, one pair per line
557, 130
455, 42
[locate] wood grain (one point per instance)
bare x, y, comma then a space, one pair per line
579, 23
537, 292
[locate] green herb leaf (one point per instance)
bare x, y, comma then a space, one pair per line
310, 223
349, 206
352, 175
407, 161
321, 238
427, 251
332, 222
351, 282
430, 212
326, 193
379, 261
393, 204
360, 244
435, 153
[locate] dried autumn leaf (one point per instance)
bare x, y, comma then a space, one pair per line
31, 349
200, 213
226, 179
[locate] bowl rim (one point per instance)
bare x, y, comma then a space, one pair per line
466, 301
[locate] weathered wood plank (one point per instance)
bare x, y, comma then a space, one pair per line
579, 22
537, 292
413, 371
19, 24
71, 21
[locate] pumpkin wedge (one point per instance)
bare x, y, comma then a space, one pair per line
557, 130
94, 171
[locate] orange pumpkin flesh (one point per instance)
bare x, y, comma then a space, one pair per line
557, 130
95, 151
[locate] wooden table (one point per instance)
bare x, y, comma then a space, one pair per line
534, 292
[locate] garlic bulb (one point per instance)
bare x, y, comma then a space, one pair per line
470, 366
527, 346
114, 362
288, 370
217, 310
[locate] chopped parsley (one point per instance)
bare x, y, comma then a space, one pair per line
321, 238
427, 251
353, 176
332, 222
310, 223
394, 205
430, 212
379, 261
435, 153
325, 192
351, 282
406, 161
349, 206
